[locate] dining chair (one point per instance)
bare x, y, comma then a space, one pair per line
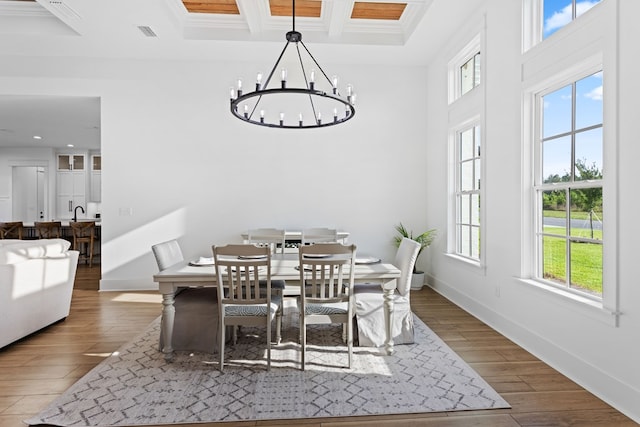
11, 230
240, 269
195, 325
48, 229
326, 290
272, 237
83, 236
369, 303
319, 235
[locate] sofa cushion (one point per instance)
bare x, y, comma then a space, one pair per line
7, 242
27, 249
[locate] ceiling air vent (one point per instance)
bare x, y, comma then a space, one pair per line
147, 31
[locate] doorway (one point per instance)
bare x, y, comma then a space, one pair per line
28, 194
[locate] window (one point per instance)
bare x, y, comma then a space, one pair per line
569, 187
558, 13
470, 74
465, 70
467, 212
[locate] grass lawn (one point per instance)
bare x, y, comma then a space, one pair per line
586, 260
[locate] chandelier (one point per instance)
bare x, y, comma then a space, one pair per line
303, 98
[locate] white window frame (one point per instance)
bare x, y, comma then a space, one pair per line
459, 192
539, 186
455, 65
454, 187
532, 22
606, 309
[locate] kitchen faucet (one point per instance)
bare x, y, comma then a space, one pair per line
75, 212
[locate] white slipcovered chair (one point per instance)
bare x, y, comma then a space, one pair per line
195, 326
369, 303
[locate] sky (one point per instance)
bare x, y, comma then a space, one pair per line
557, 105
558, 13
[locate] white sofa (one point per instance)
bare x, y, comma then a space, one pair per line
36, 283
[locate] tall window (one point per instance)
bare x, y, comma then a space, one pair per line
468, 170
569, 187
558, 13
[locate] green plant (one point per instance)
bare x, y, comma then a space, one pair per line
425, 239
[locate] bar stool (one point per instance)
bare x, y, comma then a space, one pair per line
11, 230
83, 233
48, 230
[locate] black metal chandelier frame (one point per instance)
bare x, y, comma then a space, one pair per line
248, 114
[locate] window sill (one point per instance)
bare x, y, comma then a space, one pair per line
577, 303
471, 264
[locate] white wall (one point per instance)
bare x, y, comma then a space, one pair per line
177, 164
583, 343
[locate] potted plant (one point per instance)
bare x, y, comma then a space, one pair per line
425, 239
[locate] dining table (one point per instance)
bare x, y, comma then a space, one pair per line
201, 273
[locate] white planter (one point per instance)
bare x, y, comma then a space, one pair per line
417, 281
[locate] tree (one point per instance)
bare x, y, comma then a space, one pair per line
587, 199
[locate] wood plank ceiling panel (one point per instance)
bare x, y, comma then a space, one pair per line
377, 10
304, 8
226, 7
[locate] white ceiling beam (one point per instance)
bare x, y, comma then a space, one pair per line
61, 10
339, 15
254, 14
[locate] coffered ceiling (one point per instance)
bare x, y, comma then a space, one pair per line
388, 22
397, 32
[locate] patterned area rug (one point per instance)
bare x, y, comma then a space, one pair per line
134, 386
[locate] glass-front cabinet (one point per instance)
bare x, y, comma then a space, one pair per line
68, 162
96, 178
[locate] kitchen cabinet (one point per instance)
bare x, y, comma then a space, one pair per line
71, 184
96, 178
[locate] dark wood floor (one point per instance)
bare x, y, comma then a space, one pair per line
35, 370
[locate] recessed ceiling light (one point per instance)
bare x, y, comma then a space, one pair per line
70, 145
37, 137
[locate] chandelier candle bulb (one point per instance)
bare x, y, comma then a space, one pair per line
300, 119
261, 116
281, 119
319, 118
283, 78
312, 79
246, 111
258, 81
232, 93
239, 88
334, 80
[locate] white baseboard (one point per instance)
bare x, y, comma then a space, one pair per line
616, 393
128, 285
